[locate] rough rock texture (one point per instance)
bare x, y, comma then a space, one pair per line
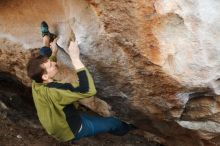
189, 31
155, 62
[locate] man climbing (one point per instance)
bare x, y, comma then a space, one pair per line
92, 102
56, 102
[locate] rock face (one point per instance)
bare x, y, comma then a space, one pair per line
189, 41
155, 62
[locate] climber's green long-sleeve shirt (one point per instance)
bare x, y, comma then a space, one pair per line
55, 104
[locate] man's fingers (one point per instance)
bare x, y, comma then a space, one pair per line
55, 40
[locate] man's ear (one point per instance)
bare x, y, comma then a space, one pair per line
45, 77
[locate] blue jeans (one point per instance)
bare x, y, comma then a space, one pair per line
93, 125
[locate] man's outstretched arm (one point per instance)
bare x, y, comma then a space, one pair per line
70, 91
54, 49
86, 83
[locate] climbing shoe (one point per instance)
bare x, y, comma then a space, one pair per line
44, 28
45, 31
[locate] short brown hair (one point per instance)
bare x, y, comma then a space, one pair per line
34, 69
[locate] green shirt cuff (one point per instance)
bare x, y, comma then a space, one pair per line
81, 69
53, 58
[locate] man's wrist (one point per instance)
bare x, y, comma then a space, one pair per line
77, 63
54, 54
